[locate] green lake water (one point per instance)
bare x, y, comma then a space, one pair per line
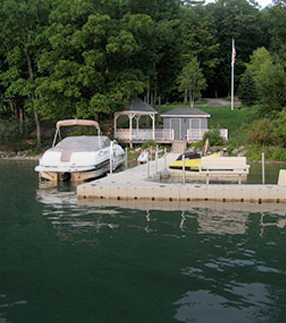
61, 262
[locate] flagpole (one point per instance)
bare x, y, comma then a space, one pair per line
232, 74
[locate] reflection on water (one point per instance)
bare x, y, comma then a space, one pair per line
63, 260
224, 257
206, 305
70, 220
211, 217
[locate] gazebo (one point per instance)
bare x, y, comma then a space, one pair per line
135, 109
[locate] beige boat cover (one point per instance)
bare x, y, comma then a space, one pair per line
77, 122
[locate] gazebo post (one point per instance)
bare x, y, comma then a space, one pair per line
115, 123
137, 123
131, 116
153, 125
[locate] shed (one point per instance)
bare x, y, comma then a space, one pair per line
185, 122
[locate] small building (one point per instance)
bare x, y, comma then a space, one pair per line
179, 124
187, 124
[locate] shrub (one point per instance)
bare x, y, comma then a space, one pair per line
279, 130
279, 154
9, 132
148, 144
261, 132
214, 137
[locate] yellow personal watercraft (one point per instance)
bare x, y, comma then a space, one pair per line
192, 161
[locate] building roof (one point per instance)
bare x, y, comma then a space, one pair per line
137, 105
186, 112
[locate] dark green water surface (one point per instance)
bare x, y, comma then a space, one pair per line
63, 262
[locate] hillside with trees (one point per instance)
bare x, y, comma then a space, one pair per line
87, 58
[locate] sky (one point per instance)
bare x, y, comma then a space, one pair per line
262, 3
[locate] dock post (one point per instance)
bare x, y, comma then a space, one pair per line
184, 169
263, 168
111, 158
165, 158
148, 165
126, 158
156, 160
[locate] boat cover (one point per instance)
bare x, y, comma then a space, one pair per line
77, 122
82, 143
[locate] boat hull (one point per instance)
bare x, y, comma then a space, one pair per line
74, 177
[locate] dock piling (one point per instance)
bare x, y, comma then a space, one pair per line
184, 169
148, 165
126, 158
263, 168
156, 160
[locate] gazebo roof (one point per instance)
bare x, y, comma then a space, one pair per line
138, 106
186, 112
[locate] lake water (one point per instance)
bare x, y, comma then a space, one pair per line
63, 262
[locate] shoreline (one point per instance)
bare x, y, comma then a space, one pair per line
17, 157
21, 158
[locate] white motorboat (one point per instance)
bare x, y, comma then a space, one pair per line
79, 158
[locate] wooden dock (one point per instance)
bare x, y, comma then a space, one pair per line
137, 184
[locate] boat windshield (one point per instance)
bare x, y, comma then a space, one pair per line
83, 143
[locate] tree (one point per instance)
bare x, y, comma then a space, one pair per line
191, 82
247, 91
276, 16
267, 80
88, 67
22, 23
239, 20
271, 85
198, 38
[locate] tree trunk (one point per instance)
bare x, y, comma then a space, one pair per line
159, 108
31, 76
148, 92
191, 101
38, 128
12, 107
21, 117
186, 97
155, 97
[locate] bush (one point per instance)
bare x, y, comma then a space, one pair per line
279, 130
148, 144
261, 132
9, 132
214, 137
279, 154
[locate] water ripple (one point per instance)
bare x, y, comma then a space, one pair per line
245, 303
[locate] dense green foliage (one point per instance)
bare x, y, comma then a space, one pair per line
214, 137
87, 58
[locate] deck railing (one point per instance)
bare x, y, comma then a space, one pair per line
141, 135
162, 135
198, 134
